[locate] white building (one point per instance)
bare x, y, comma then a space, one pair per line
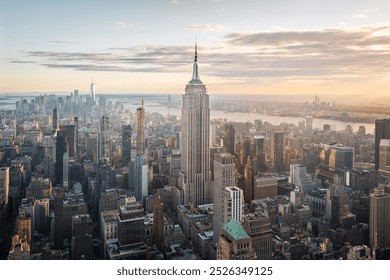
232, 205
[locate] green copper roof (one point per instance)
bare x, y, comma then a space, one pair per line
235, 230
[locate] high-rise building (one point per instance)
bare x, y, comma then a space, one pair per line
93, 97
69, 131
24, 226
126, 144
266, 185
249, 179
232, 205
258, 227
341, 158
65, 172
382, 131
258, 153
131, 227
226, 174
141, 130
104, 122
384, 155
41, 216
81, 237
158, 223
60, 151
229, 139
4, 183
379, 222
245, 149
234, 243
277, 148
301, 179
140, 177
55, 120
309, 123
195, 175
58, 205
76, 137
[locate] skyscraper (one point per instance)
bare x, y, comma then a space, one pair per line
229, 140
379, 218
232, 205
69, 130
65, 172
277, 148
226, 176
126, 144
141, 130
382, 131
4, 184
76, 137
258, 153
158, 223
58, 205
93, 97
140, 177
195, 175
384, 155
341, 158
102, 137
55, 120
60, 150
258, 226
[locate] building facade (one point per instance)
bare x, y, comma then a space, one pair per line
195, 175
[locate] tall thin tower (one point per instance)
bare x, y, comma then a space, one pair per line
195, 175
93, 92
141, 130
55, 120
65, 172
102, 137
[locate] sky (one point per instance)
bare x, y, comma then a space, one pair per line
311, 47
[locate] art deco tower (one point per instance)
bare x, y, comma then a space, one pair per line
195, 172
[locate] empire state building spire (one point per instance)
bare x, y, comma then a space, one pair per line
195, 71
195, 176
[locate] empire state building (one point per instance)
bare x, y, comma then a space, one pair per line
195, 173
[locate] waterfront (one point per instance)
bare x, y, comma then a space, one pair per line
159, 103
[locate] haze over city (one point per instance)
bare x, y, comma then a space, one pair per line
194, 130
338, 49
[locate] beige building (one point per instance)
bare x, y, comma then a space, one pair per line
265, 186
195, 175
234, 243
379, 218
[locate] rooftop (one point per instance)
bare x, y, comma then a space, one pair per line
236, 231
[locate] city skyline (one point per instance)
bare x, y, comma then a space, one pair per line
246, 47
83, 190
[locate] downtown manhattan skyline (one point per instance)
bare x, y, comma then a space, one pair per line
246, 47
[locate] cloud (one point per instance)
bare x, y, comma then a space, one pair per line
63, 42
206, 27
318, 55
360, 16
21, 61
174, 1
122, 25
